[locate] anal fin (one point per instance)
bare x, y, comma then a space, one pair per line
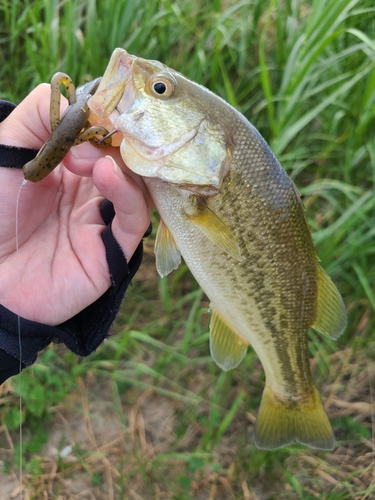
227, 348
168, 256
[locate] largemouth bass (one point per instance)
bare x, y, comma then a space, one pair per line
228, 207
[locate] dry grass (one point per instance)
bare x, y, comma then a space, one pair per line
137, 458
126, 442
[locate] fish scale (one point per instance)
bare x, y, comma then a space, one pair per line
260, 300
228, 207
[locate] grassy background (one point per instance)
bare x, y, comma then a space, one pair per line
149, 415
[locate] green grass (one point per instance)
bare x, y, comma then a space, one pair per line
149, 415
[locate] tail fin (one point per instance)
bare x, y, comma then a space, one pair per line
279, 423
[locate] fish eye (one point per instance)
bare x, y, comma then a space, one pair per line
161, 86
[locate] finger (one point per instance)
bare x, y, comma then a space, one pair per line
132, 214
29, 124
81, 160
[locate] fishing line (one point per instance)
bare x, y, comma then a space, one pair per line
19, 337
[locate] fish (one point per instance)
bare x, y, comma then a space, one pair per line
228, 208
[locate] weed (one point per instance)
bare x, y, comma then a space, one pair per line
149, 415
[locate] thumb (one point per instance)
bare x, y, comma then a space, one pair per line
29, 124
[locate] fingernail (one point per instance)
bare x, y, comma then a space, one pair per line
85, 151
115, 166
74, 153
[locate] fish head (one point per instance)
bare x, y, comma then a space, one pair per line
167, 131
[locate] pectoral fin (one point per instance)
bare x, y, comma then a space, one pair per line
215, 229
227, 348
331, 317
168, 256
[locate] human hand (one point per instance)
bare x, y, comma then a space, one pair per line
61, 264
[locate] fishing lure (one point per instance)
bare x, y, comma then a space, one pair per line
71, 129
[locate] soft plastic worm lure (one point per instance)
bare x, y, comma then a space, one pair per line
71, 129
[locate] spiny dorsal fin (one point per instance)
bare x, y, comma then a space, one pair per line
281, 422
227, 348
215, 229
168, 256
331, 317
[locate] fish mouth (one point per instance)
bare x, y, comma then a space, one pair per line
112, 84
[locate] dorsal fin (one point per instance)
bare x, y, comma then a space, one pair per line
168, 256
331, 316
227, 348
